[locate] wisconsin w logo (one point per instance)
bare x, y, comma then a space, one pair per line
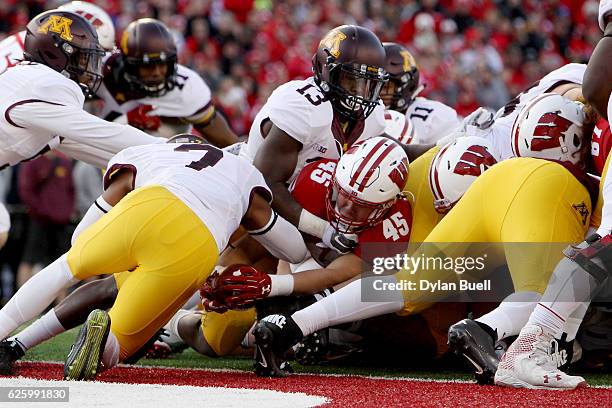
59, 25
474, 161
550, 128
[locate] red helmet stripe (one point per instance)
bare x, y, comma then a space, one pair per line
404, 132
434, 181
374, 165
365, 161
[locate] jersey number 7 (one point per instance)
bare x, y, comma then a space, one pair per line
211, 156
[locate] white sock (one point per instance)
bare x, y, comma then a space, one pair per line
41, 330
93, 214
110, 355
512, 314
345, 305
35, 295
548, 319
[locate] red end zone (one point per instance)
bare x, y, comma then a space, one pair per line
345, 390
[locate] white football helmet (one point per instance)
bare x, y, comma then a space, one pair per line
368, 180
550, 127
455, 167
97, 18
399, 127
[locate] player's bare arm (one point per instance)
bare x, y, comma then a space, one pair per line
276, 159
215, 129
597, 85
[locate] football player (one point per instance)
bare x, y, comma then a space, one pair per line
508, 203
584, 272
143, 80
341, 192
320, 117
42, 97
12, 47
161, 241
432, 120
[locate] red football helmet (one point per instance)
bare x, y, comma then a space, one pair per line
368, 179
455, 167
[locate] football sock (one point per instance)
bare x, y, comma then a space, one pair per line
110, 355
570, 288
93, 214
572, 323
173, 323
35, 295
345, 305
41, 330
511, 315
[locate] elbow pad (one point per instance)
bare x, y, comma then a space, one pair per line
281, 239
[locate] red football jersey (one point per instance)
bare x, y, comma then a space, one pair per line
310, 189
601, 142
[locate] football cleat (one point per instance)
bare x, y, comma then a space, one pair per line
10, 351
274, 335
313, 349
83, 361
469, 339
528, 364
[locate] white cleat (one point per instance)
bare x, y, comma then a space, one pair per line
527, 364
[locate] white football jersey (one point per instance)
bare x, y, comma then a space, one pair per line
11, 50
605, 8
190, 97
301, 110
216, 185
432, 120
39, 107
500, 133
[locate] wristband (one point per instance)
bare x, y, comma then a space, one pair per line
311, 224
282, 285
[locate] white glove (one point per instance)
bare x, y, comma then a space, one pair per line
476, 123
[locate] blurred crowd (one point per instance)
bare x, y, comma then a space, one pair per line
470, 53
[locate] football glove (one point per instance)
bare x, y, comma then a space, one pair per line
236, 287
338, 241
138, 118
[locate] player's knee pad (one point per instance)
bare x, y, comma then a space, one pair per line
224, 332
594, 255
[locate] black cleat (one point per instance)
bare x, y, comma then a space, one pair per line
10, 351
274, 335
313, 349
469, 339
83, 361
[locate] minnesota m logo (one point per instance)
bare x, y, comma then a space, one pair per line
59, 25
332, 42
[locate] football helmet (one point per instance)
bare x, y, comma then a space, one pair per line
403, 85
348, 67
98, 18
146, 44
186, 138
550, 127
67, 43
455, 167
399, 127
367, 181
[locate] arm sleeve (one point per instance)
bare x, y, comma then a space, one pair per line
82, 129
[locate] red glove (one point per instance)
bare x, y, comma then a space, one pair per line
237, 287
207, 295
138, 118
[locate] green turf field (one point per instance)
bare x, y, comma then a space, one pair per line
57, 349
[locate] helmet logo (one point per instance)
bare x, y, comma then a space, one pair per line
409, 61
59, 25
332, 42
551, 127
400, 173
474, 161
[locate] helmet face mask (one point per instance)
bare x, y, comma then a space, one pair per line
87, 70
349, 214
356, 87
